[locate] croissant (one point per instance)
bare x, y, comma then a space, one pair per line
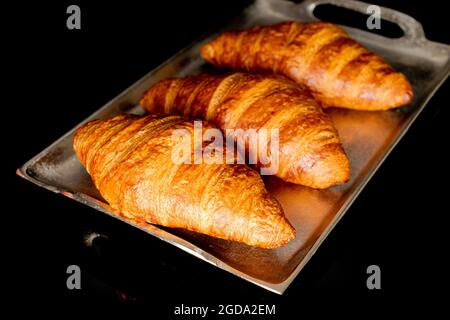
310, 152
339, 71
129, 160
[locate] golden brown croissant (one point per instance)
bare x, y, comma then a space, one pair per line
339, 71
130, 161
310, 152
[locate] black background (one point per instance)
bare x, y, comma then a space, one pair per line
59, 77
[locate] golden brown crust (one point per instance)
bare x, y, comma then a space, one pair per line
310, 151
129, 160
321, 55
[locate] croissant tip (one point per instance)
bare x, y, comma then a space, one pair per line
285, 233
289, 235
407, 97
205, 51
324, 169
79, 145
286, 237
403, 93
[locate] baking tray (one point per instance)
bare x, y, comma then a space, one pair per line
368, 137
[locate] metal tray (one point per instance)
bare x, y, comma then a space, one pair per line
368, 137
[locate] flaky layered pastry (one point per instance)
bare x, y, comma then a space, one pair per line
310, 152
339, 71
130, 161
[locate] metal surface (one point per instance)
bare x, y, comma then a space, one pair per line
367, 137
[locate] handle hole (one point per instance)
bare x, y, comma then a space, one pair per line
350, 18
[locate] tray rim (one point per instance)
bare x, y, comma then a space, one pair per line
278, 288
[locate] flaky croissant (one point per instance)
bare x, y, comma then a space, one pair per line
310, 152
339, 71
130, 161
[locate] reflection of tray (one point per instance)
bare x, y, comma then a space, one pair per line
367, 137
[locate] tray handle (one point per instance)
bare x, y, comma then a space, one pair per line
412, 29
